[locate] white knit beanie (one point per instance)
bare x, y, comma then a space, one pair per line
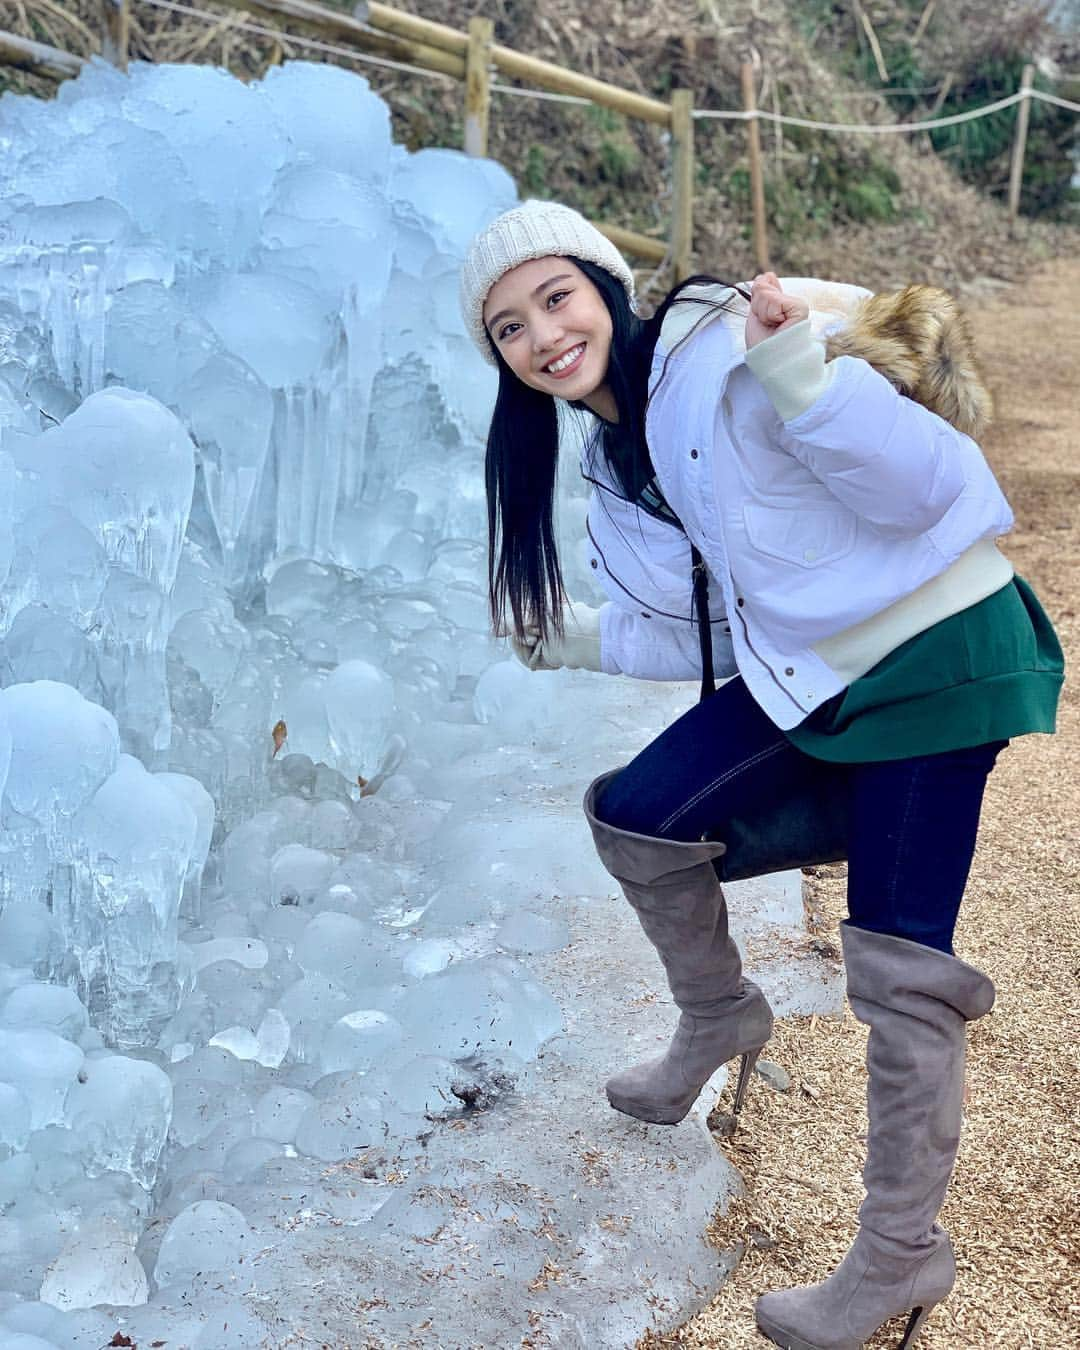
535, 229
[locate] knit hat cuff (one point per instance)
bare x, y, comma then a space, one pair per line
535, 229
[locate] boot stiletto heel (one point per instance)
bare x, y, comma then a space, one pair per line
746, 1068
915, 1324
917, 1002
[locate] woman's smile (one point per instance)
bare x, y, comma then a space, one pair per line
568, 363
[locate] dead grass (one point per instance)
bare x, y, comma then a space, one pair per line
1011, 1209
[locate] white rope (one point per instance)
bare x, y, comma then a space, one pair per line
893, 128
350, 54
542, 94
1057, 102
875, 128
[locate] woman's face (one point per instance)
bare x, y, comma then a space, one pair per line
551, 327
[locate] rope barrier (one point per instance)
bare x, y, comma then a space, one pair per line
890, 128
542, 94
875, 128
700, 114
878, 128
1055, 100
349, 53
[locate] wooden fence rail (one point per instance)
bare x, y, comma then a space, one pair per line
472, 57
37, 57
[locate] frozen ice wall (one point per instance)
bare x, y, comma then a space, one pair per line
268, 891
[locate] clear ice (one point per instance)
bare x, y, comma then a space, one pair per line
301, 932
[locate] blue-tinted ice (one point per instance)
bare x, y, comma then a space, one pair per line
307, 960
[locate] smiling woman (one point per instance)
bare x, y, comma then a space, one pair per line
882, 655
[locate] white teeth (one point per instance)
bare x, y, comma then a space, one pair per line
564, 361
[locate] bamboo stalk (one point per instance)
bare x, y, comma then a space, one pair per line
543, 74
315, 20
438, 35
682, 180
757, 180
478, 85
629, 241
434, 46
37, 57
547, 76
1016, 167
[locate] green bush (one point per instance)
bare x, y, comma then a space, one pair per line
981, 150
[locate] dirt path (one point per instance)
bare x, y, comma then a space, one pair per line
1011, 1209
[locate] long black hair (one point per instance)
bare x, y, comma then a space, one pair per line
523, 455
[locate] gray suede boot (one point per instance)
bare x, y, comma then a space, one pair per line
679, 901
917, 1002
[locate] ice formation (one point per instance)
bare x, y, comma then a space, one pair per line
268, 889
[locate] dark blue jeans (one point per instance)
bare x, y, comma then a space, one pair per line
912, 826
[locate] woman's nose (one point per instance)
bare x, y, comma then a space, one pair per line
547, 332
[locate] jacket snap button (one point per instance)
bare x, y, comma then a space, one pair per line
740, 601
693, 454
810, 554
789, 670
593, 562
645, 614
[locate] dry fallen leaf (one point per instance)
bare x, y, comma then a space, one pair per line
280, 734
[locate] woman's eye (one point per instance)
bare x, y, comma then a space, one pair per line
557, 295
506, 331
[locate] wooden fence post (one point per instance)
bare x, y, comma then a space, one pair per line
478, 85
757, 181
114, 48
682, 181
1016, 168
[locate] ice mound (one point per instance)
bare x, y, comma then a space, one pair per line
283, 826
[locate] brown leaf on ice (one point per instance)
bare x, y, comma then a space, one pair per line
280, 734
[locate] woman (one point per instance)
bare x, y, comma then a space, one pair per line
841, 536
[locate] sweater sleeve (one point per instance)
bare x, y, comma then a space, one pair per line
655, 649
792, 369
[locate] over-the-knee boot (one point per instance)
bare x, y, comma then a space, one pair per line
917, 1002
679, 901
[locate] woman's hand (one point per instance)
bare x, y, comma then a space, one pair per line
579, 648
771, 310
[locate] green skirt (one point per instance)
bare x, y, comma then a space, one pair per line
990, 673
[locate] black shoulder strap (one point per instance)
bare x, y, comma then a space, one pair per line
651, 499
701, 609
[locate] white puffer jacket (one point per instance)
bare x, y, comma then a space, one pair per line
829, 538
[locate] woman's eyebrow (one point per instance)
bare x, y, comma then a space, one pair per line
564, 276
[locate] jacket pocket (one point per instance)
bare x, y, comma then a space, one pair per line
809, 536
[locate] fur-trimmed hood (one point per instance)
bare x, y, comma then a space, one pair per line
918, 338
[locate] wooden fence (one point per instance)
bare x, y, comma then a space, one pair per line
472, 57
